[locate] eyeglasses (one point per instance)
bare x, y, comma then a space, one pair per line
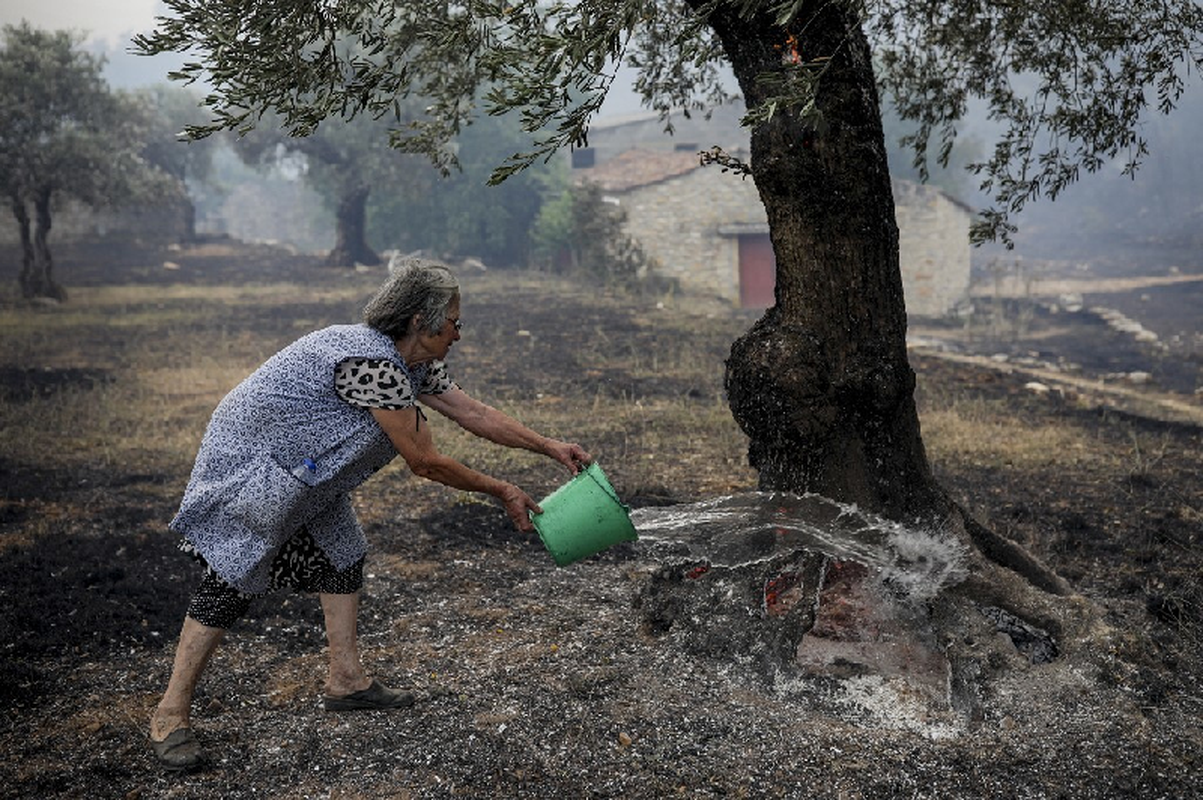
459, 326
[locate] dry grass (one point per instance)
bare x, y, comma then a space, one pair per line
983, 432
167, 354
171, 352
160, 356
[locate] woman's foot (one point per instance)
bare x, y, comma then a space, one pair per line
174, 744
178, 751
376, 697
340, 683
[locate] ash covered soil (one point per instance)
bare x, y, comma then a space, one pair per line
539, 682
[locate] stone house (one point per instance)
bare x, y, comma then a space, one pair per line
707, 229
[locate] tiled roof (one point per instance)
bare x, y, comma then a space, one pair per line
636, 168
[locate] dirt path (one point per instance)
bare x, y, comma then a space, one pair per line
1087, 391
1013, 286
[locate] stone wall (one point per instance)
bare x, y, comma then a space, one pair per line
677, 223
687, 224
933, 244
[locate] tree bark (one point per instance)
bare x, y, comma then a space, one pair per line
350, 245
21, 214
821, 384
37, 272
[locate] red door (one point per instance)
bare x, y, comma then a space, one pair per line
757, 271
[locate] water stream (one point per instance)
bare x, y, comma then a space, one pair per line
754, 527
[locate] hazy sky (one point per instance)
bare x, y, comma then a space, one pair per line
109, 20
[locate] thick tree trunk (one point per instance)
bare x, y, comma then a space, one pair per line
822, 385
351, 246
37, 271
187, 220
21, 214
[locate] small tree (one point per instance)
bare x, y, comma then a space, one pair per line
579, 232
65, 134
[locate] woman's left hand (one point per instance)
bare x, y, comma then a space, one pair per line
569, 454
518, 507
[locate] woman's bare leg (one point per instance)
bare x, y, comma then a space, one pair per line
197, 643
346, 670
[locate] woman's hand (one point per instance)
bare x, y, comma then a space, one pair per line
518, 505
569, 454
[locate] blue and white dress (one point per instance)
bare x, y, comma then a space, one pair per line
284, 449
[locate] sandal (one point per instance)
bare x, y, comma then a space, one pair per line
179, 751
375, 697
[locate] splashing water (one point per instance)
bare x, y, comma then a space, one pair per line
754, 527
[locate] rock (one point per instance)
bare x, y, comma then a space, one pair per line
1072, 302
1035, 387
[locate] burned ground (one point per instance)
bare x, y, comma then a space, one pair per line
535, 681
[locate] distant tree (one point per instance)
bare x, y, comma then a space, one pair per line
344, 161
64, 134
169, 110
578, 232
821, 383
457, 213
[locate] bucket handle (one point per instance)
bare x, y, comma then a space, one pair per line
601, 485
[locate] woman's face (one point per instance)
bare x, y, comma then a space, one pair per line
439, 344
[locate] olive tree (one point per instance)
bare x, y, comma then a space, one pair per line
65, 134
342, 160
821, 383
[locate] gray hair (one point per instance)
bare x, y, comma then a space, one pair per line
415, 287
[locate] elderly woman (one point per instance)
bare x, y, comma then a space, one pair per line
267, 505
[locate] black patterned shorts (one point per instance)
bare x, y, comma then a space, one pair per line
300, 565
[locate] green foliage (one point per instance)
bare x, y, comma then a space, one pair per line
347, 162
953, 177
459, 214
335, 157
552, 234
65, 132
579, 233
553, 63
1067, 81
171, 110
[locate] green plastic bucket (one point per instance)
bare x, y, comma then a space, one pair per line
583, 517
